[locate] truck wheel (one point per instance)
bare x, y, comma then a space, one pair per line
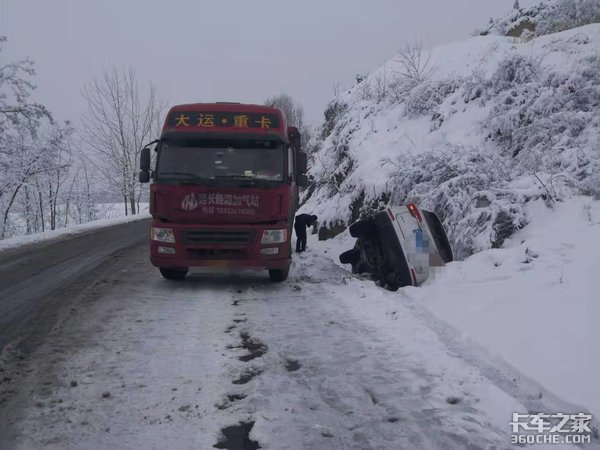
362, 227
174, 273
278, 275
350, 256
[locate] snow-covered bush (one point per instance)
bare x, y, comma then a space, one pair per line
567, 14
547, 17
424, 98
546, 123
334, 111
514, 71
475, 87
498, 123
399, 88
467, 188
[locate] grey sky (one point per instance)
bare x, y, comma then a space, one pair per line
226, 50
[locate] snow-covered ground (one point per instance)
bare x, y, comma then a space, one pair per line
533, 304
325, 359
110, 213
114, 210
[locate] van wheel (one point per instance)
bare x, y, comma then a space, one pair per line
278, 275
174, 273
350, 256
362, 227
393, 286
391, 282
360, 267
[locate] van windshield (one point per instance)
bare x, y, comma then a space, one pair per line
221, 159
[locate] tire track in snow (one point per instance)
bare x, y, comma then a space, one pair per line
328, 401
527, 391
328, 379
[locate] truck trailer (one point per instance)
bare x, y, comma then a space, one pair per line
224, 189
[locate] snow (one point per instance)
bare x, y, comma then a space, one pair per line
531, 304
65, 233
342, 362
491, 112
371, 372
443, 365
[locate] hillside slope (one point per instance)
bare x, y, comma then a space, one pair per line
474, 130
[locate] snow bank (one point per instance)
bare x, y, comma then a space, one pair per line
532, 304
63, 233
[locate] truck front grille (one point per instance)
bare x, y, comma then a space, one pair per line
216, 253
221, 237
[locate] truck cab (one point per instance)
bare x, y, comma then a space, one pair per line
224, 189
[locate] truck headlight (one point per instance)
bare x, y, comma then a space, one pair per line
274, 236
162, 235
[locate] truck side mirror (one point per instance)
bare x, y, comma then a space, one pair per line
144, 176
145, 159
294, 137
301, 162
301, 180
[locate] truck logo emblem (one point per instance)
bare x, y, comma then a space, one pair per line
189, 202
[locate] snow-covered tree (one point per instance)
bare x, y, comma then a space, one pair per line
37, 181
15, 94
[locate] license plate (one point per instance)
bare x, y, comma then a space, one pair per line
217, 263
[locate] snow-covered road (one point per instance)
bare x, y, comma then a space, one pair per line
324, 360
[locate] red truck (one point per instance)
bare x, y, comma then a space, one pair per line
224, 189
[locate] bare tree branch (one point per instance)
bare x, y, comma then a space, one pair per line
121, 116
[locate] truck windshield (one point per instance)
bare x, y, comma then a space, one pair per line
205, 160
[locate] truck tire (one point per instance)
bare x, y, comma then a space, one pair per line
278, 275
362, 227
350, 256
174, 273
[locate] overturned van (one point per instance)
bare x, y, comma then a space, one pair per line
398, 246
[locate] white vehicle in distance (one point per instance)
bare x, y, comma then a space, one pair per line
398, 246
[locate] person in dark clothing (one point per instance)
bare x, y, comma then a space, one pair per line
300, 224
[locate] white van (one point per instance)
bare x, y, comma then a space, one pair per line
398, 246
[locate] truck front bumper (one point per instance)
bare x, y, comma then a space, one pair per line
231, 246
